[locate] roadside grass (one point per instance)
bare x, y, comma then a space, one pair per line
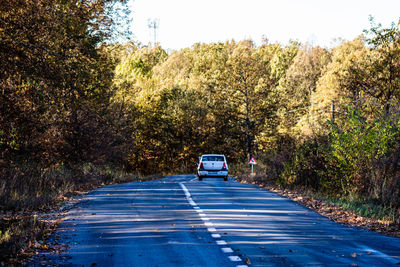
27, 190
368, 208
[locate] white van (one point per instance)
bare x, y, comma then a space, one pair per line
212, 165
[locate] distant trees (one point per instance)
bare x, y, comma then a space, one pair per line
214, 98
274, 101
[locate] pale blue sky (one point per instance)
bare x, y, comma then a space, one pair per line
185, 22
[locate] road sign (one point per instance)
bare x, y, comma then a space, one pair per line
252, 161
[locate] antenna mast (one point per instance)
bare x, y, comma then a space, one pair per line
154, 24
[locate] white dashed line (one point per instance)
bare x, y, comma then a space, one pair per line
227, 250
235, 258
207, 223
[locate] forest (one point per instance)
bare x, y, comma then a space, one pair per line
77, 107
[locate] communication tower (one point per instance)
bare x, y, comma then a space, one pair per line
153, 25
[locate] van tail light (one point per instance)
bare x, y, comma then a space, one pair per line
224, 166
201, 166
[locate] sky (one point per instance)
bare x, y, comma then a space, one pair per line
183, 23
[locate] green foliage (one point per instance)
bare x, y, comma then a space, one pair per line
357, 146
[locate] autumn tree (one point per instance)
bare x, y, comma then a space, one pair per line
297, 86
384, 83
53, 77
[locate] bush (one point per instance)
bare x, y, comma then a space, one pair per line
364, 156
306, 166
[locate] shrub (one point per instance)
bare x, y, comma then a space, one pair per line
364, 156
306, 166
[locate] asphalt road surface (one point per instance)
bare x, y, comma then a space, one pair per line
179, 221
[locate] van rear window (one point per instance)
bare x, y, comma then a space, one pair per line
213, 158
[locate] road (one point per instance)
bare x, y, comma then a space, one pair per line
179, 221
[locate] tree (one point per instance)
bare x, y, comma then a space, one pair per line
337, 85
384, 84
244, 78
53, 77
297, 86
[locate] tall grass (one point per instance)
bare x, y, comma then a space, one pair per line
28, 186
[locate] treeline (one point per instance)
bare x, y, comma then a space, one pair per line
324, 119
56, 77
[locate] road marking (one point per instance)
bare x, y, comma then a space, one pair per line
235, 258
185, 190
227, 250
204, 217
